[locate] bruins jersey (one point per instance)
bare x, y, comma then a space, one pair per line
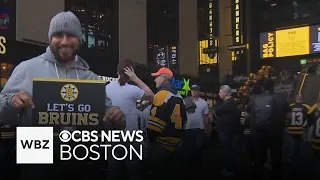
316, 127
300, 114
167, 120
7, 132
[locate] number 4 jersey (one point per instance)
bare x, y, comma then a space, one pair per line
167, 120
298, 119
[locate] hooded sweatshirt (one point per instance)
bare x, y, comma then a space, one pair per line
44, 66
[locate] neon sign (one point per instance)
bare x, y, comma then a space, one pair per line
182, 86
237, 21
211, 42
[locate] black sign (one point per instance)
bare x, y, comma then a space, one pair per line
315, 39
68, 104
161, 56
236, 20
7, 29
173, 57
237, 47
268, 45
166, 56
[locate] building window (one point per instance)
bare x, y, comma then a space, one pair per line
163, 32
288, 12
96, 17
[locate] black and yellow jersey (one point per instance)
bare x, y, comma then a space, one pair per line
7, 132
298, 119
316, 135
167, 119
315, 109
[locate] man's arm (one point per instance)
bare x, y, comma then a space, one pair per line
148, 94
15, 84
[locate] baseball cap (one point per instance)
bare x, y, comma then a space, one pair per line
163, 70
195, 87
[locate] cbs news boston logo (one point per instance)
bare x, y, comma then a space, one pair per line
35, 145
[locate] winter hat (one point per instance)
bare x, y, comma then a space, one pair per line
65, 22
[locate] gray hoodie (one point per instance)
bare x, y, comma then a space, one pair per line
45, 66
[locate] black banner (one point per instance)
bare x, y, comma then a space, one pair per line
173, 57
161, 56
68, 104
7, 28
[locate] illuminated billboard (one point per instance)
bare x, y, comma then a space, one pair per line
290, 42
204, 58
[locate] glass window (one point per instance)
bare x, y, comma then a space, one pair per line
281, 12
162, 28
78, 7
96, 19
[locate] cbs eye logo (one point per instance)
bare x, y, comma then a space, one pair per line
65, 136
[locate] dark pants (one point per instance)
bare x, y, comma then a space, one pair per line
247, 147
9, 170
261, 144
298, 155
131, 166
63, 170
316, 163
228, 150
163, 164
192, 146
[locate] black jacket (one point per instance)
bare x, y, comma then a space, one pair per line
228, 115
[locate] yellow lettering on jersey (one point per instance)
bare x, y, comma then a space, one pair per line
176, 117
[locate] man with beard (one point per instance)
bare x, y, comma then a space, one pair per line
59, 61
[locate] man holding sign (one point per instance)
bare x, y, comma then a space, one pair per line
60, 61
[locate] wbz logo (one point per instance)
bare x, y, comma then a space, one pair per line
34, 145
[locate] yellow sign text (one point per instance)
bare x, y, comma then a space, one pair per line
268, 48
3, 48
74, 119
237, 21
211, 41
293, 42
